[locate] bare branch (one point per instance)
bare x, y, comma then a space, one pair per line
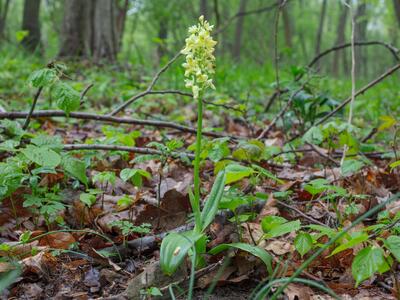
111, 119
29, 115
149, 89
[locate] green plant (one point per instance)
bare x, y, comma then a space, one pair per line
127, 228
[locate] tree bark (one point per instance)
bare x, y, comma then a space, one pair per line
92, 29
287, 23
237, 46
361, 23
321, 28
204, 9
340, 38
396, 4
30, 23
3, 17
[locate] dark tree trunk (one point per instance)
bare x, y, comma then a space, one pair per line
361, 23
321, 27
204, 9
340, 39
92, 28
396, 4
162, 36
288, 28
30, 23
237, 46
3, 17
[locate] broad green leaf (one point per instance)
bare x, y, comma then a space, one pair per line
283, 229
254, 250
367, 262
42, 156
329, 232
387, 122
174, 249
303, 243
87, 199
393, 243
211, 206
270, 222
236, 172
9, 277
67, 98
394, 165
76, 168
43, 77
266, 173
350, 166
350, 244
134, 175
314, 136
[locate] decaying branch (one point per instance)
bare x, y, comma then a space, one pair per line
111, 119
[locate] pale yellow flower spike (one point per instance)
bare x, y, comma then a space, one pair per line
200, 60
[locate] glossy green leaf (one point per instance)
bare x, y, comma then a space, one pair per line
211, 205
254, 250
303, 243
174, 249
367, 262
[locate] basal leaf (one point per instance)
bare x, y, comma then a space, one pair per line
211, 206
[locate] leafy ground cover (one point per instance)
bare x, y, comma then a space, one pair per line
97, 201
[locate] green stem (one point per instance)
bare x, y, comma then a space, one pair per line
196, 209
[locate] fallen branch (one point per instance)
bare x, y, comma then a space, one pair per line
111, 119
139, 150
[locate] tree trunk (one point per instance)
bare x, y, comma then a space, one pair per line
30, 23
237, 46
287, 23
3, 17
321, 28
396, 4
162, 36
360, 30
204, 9
92, 28
340, 39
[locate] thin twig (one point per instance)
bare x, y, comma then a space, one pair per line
149, 88
359, 92
281, 113
84, 92
111, 119
277, 93
311, 219
322, 154
29, 115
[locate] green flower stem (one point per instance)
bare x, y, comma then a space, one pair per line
196, 208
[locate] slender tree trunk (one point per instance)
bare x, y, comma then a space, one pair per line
288, 28
320, 28
396, 4
162, 36
361, 23
237, 46
3, 17
30, 23
204, 9
340, 39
